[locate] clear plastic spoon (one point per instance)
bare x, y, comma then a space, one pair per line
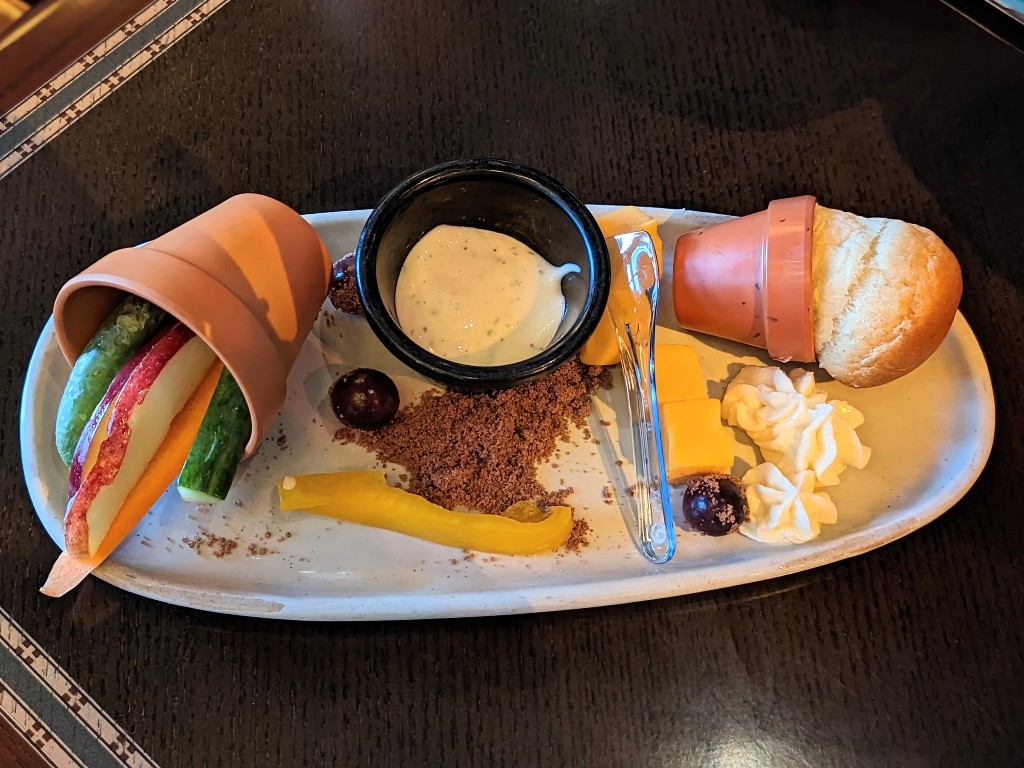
633, 310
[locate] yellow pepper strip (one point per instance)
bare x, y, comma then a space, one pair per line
364, 497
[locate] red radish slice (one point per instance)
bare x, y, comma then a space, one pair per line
69, 571
140, 416
87, 453
82, 449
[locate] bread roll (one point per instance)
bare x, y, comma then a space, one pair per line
885, 293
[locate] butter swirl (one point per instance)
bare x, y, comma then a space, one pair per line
784, 510
793, 423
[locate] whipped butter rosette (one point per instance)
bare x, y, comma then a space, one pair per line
784, 510
793, 423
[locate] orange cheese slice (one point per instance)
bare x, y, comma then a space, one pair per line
694, 439
677, 373
602, 348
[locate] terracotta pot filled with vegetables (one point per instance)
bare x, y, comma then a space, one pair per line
180, 353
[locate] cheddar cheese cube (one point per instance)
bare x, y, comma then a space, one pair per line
694, 439
602, 348
677, 373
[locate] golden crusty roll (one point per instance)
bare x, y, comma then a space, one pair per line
885, 293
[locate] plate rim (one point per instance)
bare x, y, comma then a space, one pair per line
655, 583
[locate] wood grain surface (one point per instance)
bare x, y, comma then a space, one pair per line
907, 656
49, 37
16, 751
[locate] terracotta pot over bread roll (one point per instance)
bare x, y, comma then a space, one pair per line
883, 293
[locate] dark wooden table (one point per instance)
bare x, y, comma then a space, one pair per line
910, 655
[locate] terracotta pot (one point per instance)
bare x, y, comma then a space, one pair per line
749, 279
248, 276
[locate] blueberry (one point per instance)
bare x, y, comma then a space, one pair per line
342, 289
714, 504
364, 398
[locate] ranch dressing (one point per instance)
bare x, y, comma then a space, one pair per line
478, 297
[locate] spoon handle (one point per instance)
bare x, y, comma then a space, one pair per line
633, 311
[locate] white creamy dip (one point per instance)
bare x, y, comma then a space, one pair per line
479, 297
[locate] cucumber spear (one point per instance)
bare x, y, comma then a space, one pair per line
126, 329
217, 451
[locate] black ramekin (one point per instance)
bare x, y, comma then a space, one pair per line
490, 194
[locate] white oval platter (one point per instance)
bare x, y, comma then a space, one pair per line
930, 432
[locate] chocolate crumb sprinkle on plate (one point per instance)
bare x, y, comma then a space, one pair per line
480, 451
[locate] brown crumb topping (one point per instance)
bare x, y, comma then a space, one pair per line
481, 450
219, 546
579, 537
206, 541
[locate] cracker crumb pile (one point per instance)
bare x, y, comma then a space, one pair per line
480, 451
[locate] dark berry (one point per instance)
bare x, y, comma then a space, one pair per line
342, 290
714, 504
365, 398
